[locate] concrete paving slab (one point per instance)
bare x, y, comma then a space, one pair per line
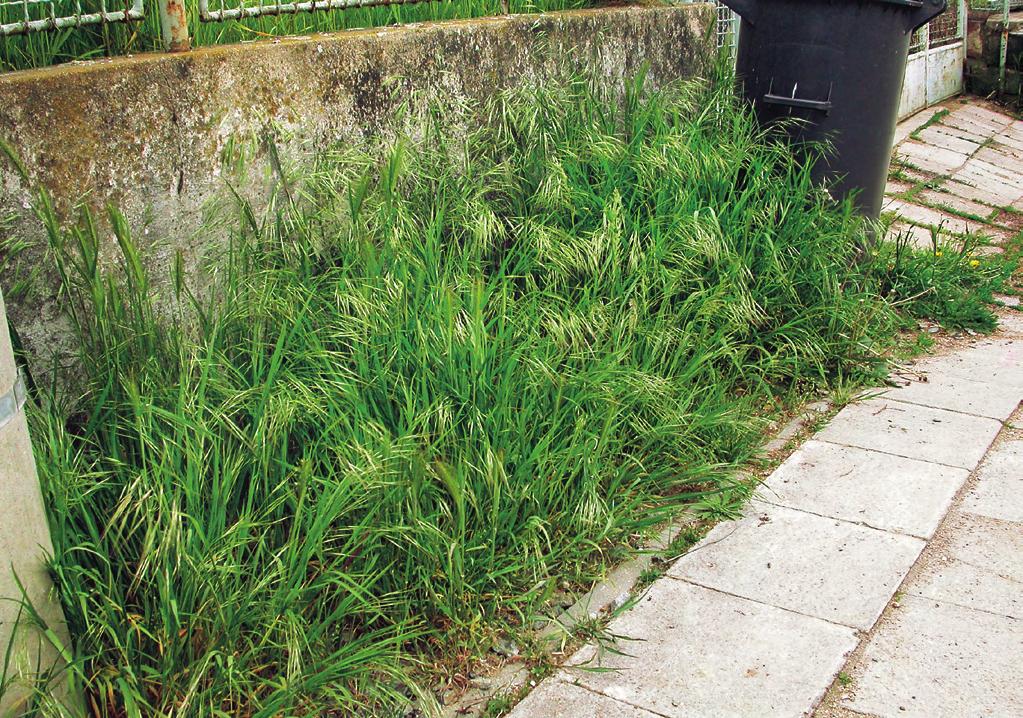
1008, 139
956, 393
887, 201
991, 233
988, 250
557, 699
998, 492
1009, 147
976, 194
1011, 322
817, 566
960, 204
936, 137
975, 136
918, 214
983, 130
975, 123
703, 653
983, 171
897, 187
905, 128
1013, 132
977, 563
1006, 162
886, 492
930, 158
917, 176
993, 361
940, 660
999, 192
982, 115
1002, 142
913, 431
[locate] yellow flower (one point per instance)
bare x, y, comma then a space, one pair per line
974, 262
938, 253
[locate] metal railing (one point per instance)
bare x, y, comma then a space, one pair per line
41, 15
242, 9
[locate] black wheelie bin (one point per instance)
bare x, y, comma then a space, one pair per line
837, 67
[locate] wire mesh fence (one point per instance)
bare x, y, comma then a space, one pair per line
19, 17
727, 28
947, 28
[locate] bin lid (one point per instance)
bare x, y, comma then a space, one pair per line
919, 11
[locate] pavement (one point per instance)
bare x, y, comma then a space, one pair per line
955, 167
879, 570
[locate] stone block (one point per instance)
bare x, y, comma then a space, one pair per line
913, 431
689, 651
886, 492
998, 492
835, 570
937, 659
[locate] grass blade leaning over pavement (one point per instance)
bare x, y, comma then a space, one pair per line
435, 379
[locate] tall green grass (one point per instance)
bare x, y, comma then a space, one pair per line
432, 379
97, 41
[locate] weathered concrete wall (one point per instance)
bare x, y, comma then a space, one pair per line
148, 133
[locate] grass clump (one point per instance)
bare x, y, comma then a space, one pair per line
429, 381
950, 282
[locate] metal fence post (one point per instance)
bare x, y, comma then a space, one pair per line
25, 539
174, 23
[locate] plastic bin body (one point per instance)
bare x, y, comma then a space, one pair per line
837, 66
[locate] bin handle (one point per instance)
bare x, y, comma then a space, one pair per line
792, 101
819, 105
